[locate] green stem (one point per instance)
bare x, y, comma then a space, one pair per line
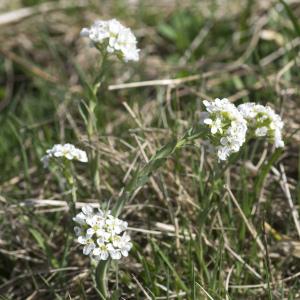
101, 278
157, 160
263, 172
74, 197
92, 118
68, 173
91, 126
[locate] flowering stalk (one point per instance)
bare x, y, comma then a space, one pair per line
110, 38
104, 238
63, 155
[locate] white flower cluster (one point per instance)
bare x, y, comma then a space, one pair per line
67, 151
263, 121
113, 37
227, 126
100, 233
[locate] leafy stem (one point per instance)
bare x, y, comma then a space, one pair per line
92, 117
156, 161
101, 278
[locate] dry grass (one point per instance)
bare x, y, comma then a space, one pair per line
199, 232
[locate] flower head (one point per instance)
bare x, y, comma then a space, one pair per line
263, 122
111, 36
102, 234
67, 151
227, 127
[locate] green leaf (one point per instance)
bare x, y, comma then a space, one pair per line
167, 31
101, 278
39, 238
165, 151
44, 246
265, 170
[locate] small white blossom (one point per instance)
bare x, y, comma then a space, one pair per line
115, 225
227, 126
88, 243
113, 37
67, 151
125, 244
100, 234
263, 121
115, 253
101, 252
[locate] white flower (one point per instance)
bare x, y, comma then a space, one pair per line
101, 252
113, 37
115, 253
263, 121
96, 224
67, 151
88, 248
87, 210
223, 152
80, 218
261, 131
45, 161
215, 125
100, 234
115, 225
227, 126
124, 244
88, 243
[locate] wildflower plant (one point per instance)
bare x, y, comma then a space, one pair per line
112, 39
62, 156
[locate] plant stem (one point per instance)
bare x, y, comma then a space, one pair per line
74, 197
157, 160
101, 278
68, 172
92, 119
